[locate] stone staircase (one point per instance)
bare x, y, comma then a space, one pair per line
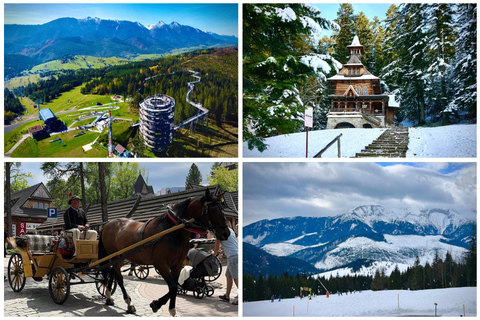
372, 119
393, 143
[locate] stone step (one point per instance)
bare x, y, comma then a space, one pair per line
380, 155
393, 143
399, 149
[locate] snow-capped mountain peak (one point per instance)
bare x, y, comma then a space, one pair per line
156, 25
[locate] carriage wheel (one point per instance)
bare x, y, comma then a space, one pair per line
209, 291
215, 277
198, 292
101, 283
59, 285
179, 290
16, 274
141, 272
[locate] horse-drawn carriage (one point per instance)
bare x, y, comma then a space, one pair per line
39, 256
162, 242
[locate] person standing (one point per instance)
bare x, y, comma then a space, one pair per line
230, 247
76, 221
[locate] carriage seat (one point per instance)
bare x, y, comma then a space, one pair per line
38, 243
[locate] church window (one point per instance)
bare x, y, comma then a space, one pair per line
41, 205
359, 90
35, 205
365, 91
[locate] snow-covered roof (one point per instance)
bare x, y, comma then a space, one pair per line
362, 77
392, 102
355, 42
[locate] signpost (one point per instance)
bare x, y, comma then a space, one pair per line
308, 121
52, 215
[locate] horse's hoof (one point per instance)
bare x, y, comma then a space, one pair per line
173, 312
131, 310
154, 306
110, 302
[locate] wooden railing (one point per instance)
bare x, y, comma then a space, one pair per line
337, 139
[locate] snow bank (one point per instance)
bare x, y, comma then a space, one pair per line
456, 141
372, 303
293, 145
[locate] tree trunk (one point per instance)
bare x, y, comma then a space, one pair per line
82, 183
8, 165
103, 192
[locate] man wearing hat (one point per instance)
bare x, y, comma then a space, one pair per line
76, 221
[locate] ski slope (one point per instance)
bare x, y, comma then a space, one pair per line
389, 303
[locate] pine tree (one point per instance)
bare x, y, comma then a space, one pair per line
346, 20
363, 30
409, 70
464, 77
194, 176
439, 54
471, 259
279, 53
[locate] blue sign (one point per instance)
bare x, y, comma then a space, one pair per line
52, 213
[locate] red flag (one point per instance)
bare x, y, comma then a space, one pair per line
70, 194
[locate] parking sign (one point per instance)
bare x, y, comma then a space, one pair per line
52, 213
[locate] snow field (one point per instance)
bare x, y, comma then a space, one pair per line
372, 303
294, 145
455, 141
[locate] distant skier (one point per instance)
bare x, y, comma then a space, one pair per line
273, 298
279, 298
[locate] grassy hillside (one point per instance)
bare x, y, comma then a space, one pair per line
78, 62
224, 60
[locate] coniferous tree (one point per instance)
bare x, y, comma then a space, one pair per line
279, 52
471, 259
194, 176
464, 77
346, 21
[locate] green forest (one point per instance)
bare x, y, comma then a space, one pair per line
218, 90
425, 54
441, 273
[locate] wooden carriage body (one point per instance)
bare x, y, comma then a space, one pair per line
38, 263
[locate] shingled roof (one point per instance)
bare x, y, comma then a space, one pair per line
143, 209
141, 188
19, 198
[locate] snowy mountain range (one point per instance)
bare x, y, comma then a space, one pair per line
100, 37
368, 233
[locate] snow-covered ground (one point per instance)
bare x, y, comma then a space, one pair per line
455, 141
391, 303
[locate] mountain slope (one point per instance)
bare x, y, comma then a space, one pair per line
121, 38
256, 261
367, 232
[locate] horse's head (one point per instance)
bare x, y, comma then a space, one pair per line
207, 209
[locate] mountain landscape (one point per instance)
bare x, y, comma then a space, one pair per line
364, 236
105, 38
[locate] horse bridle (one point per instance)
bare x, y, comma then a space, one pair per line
205, 210
197, 228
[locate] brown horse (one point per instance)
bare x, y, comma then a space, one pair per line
168, 254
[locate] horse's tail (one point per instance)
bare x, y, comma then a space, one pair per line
102, 253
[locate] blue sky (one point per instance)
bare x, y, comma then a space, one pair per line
218, 18
275, 190
160, 174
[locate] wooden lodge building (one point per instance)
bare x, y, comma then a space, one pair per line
29, 208
142, 208
358, 101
